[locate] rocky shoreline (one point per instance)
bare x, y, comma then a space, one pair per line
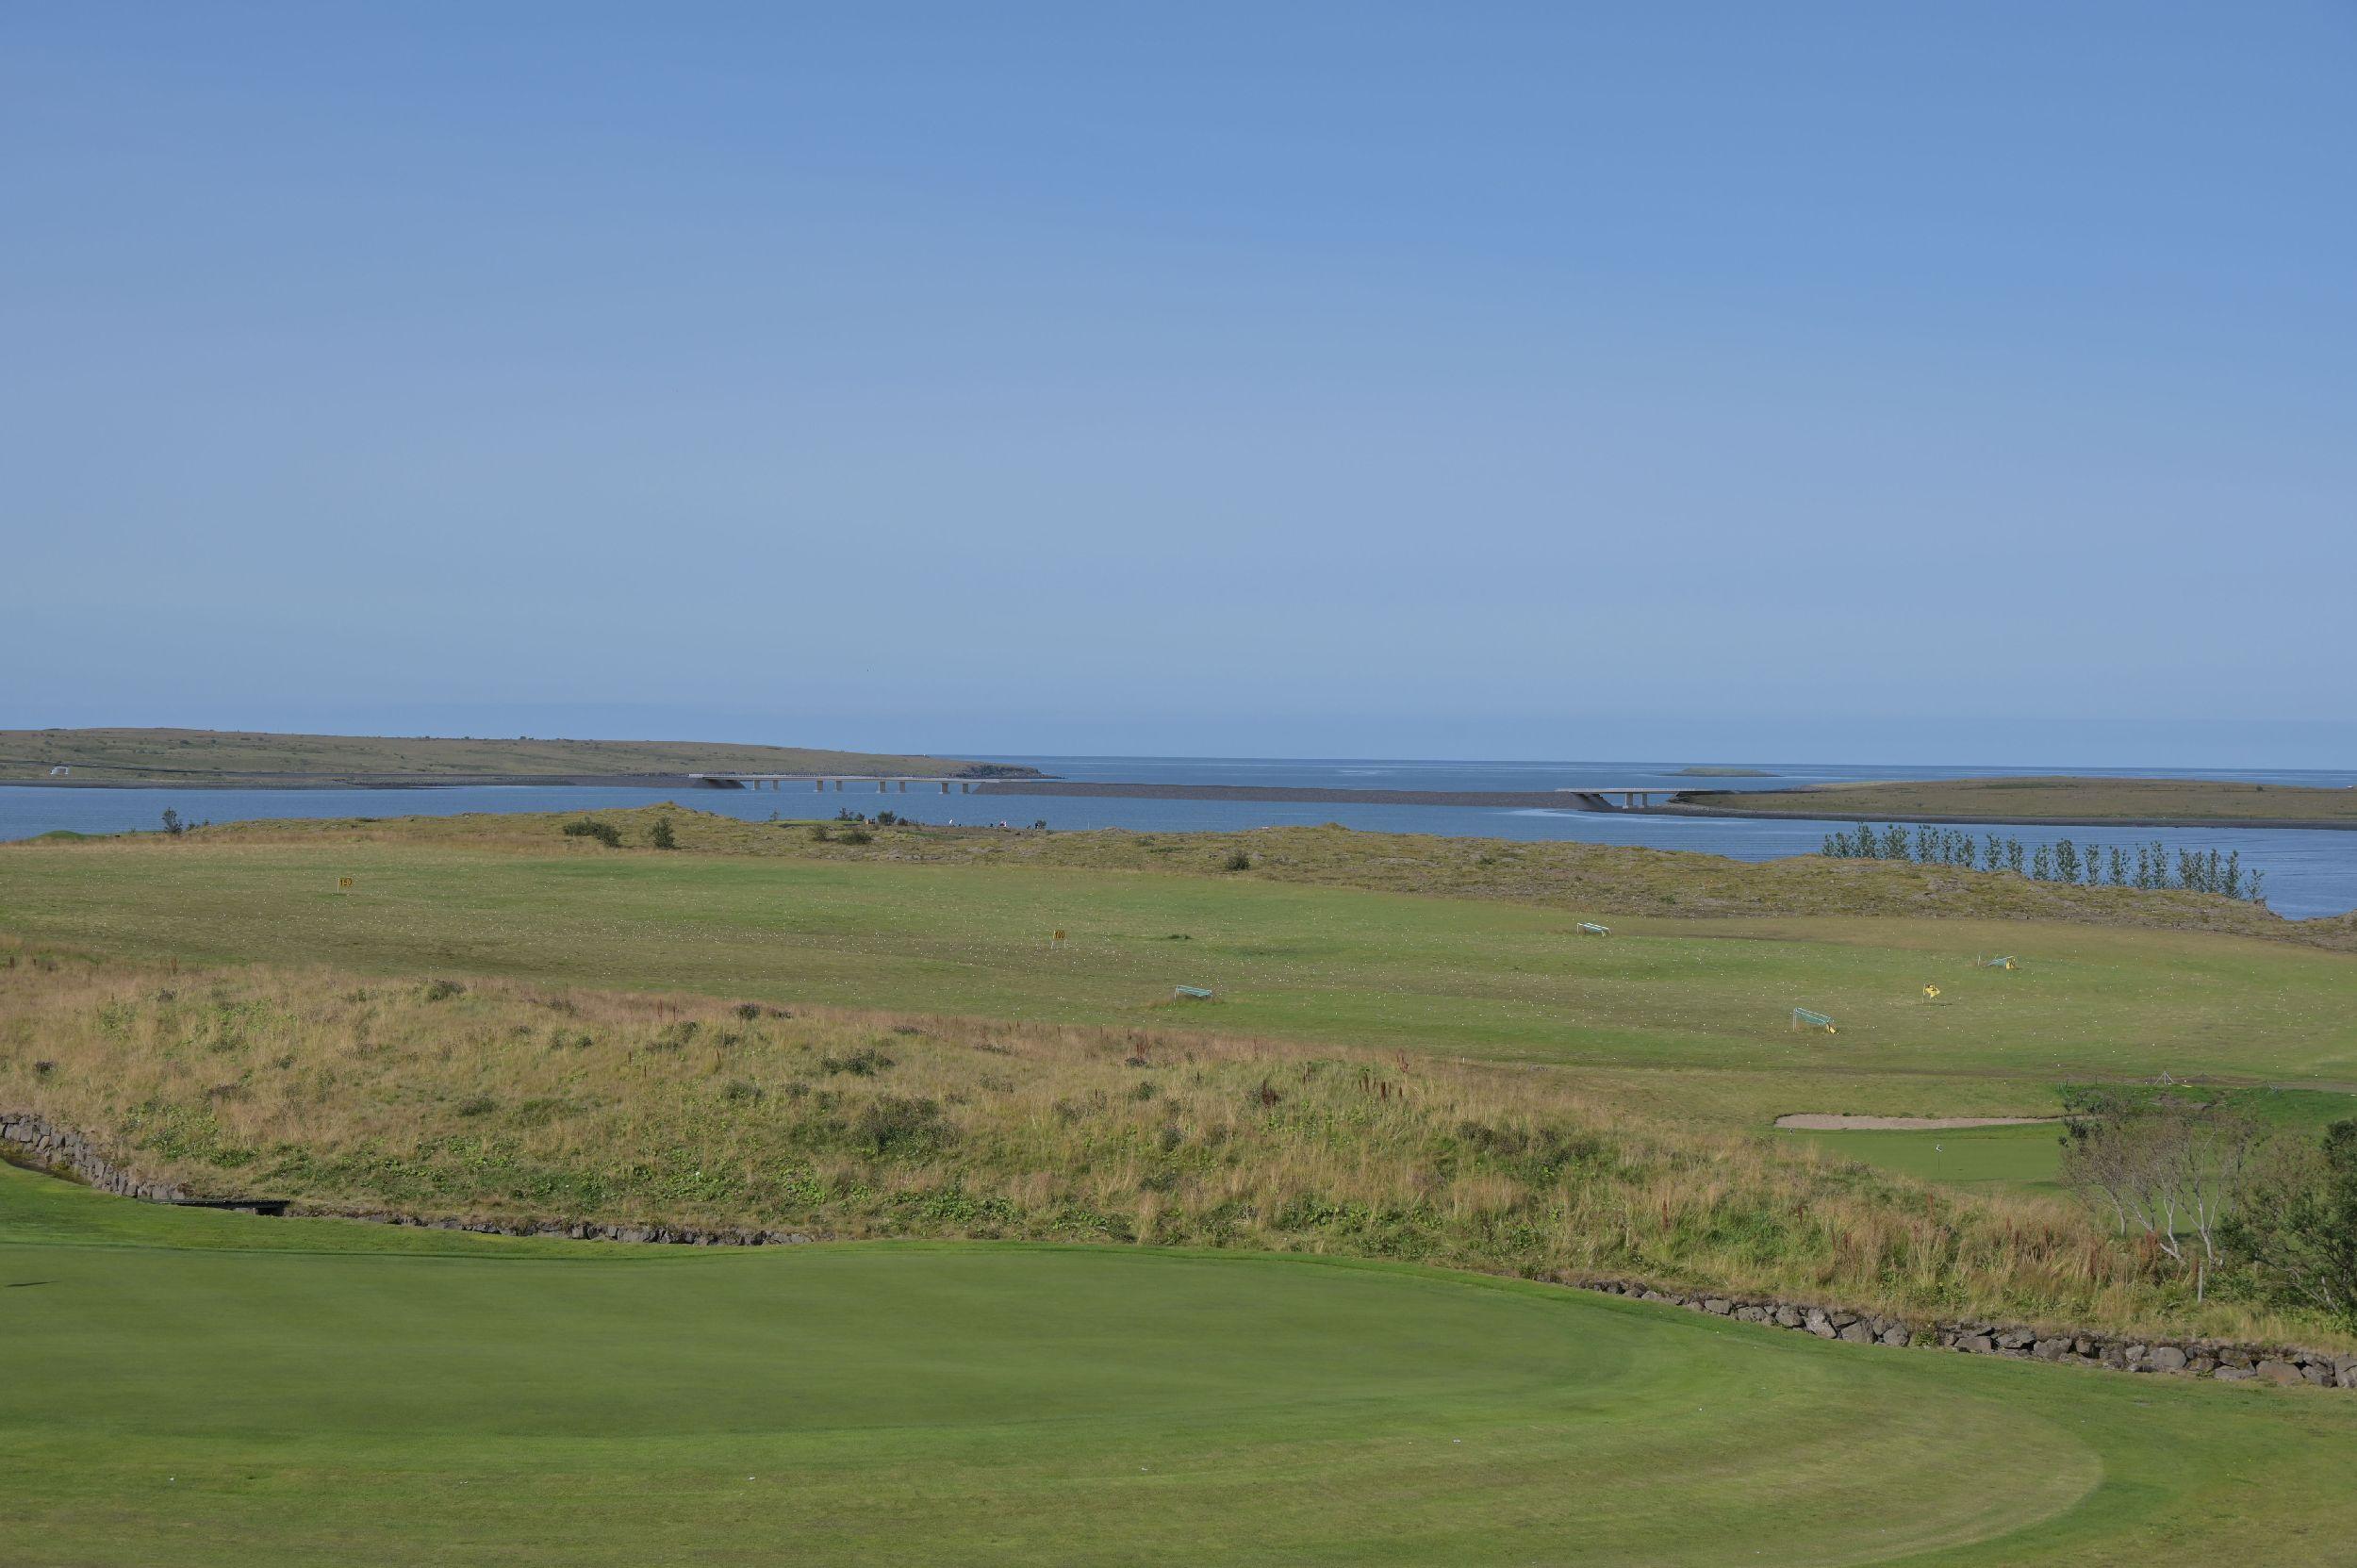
32, 1140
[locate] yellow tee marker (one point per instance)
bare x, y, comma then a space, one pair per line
1930, 992
343, 885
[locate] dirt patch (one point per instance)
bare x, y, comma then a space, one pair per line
1806, 1122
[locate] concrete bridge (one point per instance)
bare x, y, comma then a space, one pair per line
1630, 798
823, 780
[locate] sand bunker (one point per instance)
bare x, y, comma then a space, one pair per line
1812, 1123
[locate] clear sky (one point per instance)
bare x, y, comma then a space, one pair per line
1865, 383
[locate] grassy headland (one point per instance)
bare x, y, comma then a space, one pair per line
2052, 801
237, 759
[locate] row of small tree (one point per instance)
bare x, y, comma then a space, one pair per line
2147, 865
2219, 1195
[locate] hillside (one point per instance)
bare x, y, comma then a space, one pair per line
257, 759
510, 1100
2058, 802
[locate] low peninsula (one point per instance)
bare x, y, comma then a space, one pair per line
2052, 801
241, 759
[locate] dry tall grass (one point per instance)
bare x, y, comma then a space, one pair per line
514, 1100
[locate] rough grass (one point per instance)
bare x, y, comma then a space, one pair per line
223, 757
507, 1100
2060, 800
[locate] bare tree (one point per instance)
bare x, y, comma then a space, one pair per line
2160, 1164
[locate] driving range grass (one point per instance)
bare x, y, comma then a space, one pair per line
324, 1391
1691, 1017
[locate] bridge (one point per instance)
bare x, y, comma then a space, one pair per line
1631, 797
823, 781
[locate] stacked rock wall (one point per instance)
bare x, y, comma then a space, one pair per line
2115, 1352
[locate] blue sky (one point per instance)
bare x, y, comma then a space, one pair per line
1868, 382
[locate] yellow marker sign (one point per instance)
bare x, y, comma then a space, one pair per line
1930, 992
343, 885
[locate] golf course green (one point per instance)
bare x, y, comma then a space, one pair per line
202, 1388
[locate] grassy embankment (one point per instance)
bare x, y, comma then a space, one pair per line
2052, 801
323, 1390
222, 757
510, 1100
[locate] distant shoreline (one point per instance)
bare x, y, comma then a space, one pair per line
996, 783
1993, 820
295, 783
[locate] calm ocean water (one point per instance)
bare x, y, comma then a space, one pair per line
2309, 872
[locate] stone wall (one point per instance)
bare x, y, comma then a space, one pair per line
2113, 1352
29, 1138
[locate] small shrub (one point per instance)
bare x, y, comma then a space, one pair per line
737, 1092
442, 990
855, 835
1238, 862
661, 835
589, 827
901, 1127
866, 1062
477, 1105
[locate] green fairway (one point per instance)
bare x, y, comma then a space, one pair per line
1702, 1000
2023, 1158
2026, 1158
211, 1388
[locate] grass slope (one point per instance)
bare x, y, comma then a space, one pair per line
320, 1391
2070, 801
225, 757
522, 1103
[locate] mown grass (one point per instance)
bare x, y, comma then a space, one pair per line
2064, 799
338, 1395
2029, 1158
510, 1100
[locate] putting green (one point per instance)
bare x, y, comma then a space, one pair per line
201, 1389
